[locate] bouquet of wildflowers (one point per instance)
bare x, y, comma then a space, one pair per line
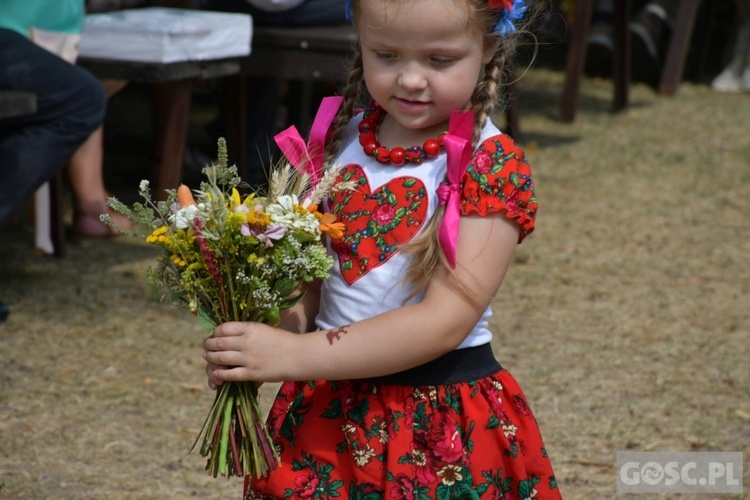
232, 259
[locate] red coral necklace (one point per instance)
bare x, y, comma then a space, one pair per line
368, 131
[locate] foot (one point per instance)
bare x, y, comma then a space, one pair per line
730, 81
4, 311
87, 224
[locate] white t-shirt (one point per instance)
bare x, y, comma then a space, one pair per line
391, 205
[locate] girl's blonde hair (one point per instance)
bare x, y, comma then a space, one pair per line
427, 255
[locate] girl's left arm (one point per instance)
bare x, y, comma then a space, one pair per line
389, 342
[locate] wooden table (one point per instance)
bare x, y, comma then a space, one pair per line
305, 54
320, 54
172, 83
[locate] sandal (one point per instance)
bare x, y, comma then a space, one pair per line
88, 225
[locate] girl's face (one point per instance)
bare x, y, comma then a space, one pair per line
421, 59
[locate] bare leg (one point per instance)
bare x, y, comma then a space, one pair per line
87, 183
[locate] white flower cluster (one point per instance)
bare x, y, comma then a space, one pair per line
242, 278
183, 218
292, 259
263, 297
283, 213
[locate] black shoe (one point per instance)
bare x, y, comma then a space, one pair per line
650, 36
4, 311
600, 49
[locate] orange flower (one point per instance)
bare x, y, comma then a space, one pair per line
330, 227
184, 196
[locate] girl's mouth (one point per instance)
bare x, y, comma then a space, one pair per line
411, 107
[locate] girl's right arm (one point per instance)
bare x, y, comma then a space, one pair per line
299, 319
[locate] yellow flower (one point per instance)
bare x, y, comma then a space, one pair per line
236, 217
178, 260
254, 259
258, 220
158, 232
234, 200
300, 209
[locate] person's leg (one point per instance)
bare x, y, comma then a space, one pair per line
600, 45
665, 9
70, 103
651, 29
735, 77
89, 194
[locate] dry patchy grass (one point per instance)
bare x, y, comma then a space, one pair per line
625, 316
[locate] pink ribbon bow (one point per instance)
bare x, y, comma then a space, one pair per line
458, 150
308, 157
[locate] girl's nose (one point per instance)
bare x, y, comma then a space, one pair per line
411, 77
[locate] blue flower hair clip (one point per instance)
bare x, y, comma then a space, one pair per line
507, 12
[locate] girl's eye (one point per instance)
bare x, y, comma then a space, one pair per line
441, 61
385, 55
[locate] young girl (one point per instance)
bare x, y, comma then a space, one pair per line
395, 392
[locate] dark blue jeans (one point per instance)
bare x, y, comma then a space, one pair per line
71, 103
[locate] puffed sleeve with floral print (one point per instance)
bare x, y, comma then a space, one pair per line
498, 179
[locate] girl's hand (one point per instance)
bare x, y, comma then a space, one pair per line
213, 382
244, 351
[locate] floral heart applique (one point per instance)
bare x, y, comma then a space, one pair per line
377, 222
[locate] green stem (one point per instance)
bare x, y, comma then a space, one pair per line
224, 440
209, 424
254, 463
230, 281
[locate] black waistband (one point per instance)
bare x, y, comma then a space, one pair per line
461, 365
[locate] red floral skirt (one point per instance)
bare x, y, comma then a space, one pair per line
362, 439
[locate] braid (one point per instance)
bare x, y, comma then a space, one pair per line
352, 93
487, 96
427, 255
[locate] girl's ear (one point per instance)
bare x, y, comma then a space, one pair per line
490, 50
